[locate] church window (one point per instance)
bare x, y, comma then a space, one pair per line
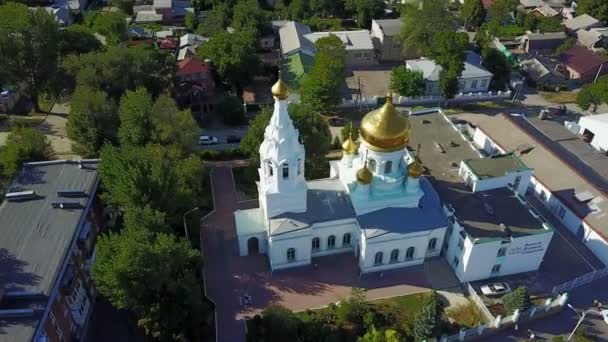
432, 244
378, 258
346, 240
388, 167
372, 165
394, 256
269, 165
285, 171
299, 166
331, 241
409, 254
316, 244
291, 255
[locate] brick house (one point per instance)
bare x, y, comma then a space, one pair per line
193, 70
50, 219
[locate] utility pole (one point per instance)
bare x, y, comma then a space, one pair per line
581, 319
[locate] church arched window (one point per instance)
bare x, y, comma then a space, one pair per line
331, 241
285, 171
409, 254
346, 240
394, 256
316, 244
371, 164
269, 166
388, 167
378, 258
299, 166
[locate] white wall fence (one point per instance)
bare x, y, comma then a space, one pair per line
499, 323
479, 302
372, 102
581, 280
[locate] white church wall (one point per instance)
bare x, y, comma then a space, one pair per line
278, 246
380, 159
338, 229
291, 201
596, 243
243, 241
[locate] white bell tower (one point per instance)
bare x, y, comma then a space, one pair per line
282, 187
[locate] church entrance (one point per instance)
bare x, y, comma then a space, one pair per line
253, 246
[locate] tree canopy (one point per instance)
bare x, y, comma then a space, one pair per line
593, 95
429, 319
473, 13
78, 39
365, 10
23, 145
134, 113
595, 8
519, 299
422, 23
29, 49
500, 11
498, 65
249, 16
406, 82
111, 25
217, 20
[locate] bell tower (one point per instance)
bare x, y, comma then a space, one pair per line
282, 187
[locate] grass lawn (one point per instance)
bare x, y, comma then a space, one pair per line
244, 181
483, 105
466, 316
28, 121
404, 307
559, 97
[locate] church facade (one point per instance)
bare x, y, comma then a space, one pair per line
375, 205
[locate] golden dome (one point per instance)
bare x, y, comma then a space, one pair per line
280, 89
349, 146
385, 129
364, 175
415, 169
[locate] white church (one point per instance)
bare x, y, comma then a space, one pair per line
374, 205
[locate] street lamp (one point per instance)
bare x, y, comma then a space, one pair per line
581, 318
186, 226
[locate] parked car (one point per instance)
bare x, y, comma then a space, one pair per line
233, 139
557, 111
207, 140
495, 289
336, 121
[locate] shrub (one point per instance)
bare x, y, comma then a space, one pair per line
517, 300
228, 154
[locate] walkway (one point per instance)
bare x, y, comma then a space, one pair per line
229, 276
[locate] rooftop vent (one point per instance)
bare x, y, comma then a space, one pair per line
20, 195
584, 196
67, 205
71, 193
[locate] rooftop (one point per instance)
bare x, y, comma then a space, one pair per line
353, 40
430, 70
581, 59
36, 234
581, 22
495, 166
390, 27
292, 37
547, 36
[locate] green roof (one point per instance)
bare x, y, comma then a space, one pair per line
295, 66
496, 166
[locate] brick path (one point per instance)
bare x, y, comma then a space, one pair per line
228, 275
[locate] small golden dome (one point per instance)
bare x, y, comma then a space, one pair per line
364, 175
385, 129
415, 169
280, 90
349, 146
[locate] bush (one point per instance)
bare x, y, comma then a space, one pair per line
230, 109
3, 117
228, 154
517, 300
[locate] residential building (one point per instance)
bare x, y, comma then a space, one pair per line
541, 70
544, 11
165, 11
581, 22
595, 39
594, 129
188, 44
295, 66
474, 78
50, 220
193, 70
62, 14
291, 36
582, 64
387, 42
539, 42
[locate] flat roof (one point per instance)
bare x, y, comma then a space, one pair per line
390, 27
353, 40
442, 149
495, 166
36, 235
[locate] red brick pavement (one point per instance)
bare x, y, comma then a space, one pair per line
229, 276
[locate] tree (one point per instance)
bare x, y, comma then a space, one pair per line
421, 24
448, 83
23, 145
406, 82
430, 318
111, 25
248, 16
78, 39
591, 96
217, 20
93, 121
347, 130
134, 112
29, 45
517, 300
326, 8
448, 49
297, 10
595, 8
171, 126
473, 13
124, 5
498, 65
500, 11
250, 144
280, 324
157, 276
153, 220
354, 308
231, 111
191, 21
233, 55
319, 87
365, 10
566, 45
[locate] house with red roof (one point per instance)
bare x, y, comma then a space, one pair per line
193, 70
169, 44
582, 64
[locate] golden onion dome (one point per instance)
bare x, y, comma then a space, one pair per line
415, 169
364, 175
280, 90
349, 146
385, 129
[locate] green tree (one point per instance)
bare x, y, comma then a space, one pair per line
156, 276
448, 82
448, 49
231, 111
111, 25
233, 55
78, 39
500, 11
248, 16
422, 22
327, 8
354, 308
517, 300
372, 335
171, 126
592, 95
297, 10
124, 5
473, 13
153, 220
93, 121
280, 324
498, 65
134, 112
250, 144
191, 21
595, 8
365, 10
23, 145
406, 82
566, 45
429, 320
29, 45
346, 131
280, 10
217, 20
319, 87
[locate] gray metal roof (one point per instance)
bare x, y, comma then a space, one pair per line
36, 236
405, 220
326, 200
430, 70
390, 27
353, 40
292, 37
582, 21
547, 36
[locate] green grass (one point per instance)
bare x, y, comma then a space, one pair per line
484, 105
559, 97
27, 121
404, 307
466, 315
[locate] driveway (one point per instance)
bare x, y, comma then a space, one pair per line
229, 276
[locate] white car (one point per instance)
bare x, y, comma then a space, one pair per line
495, 289
207, 140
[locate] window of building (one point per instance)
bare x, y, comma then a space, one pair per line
460, 243
269, 164
456, 261
372, 165
285, 171
394, 256
409, 254
496, 268
291, 255
542, 196
346, 239
562, 212
432, 244
388, 167
516, 182
316, 244
502, 251
378, 258
331, 242
299, 166
484, 83
474, 84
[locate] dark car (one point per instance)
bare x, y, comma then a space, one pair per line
233, 139
557, 111
336, 121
